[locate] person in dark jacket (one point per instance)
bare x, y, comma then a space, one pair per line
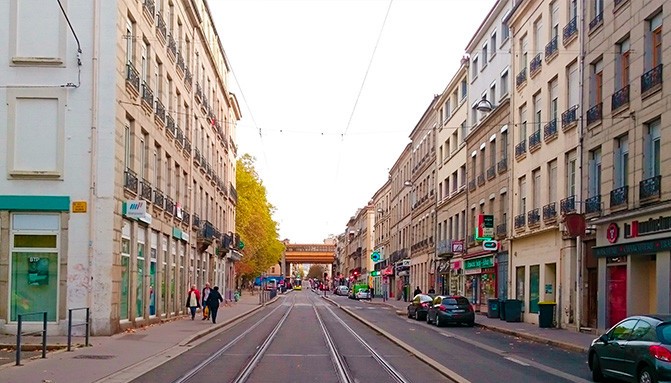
417, 291
213, 301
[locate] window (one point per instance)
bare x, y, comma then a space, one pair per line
464, 89
536, 180
127, 144
554, 19
571, 168
462, 175
140, 267
597, 9
124, 303
130, 38
144, 155
621, 161
524, 60
484, 56
504, 83
492, 153
554, 105
504, 208
596, 86
523, 123
504, 144
492, 92
594, 182
573, 10
653, 52
622, 64
519, 283
537, 112
552, 181
538, 36
492, 43
157, 167
522, 184
474, 70
651, 151
482, 160
573, 85
505, 31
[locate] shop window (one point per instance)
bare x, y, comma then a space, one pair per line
34, 265
534, 288
125, 271
519, 284
139, 287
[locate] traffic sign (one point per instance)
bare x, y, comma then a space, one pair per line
375, 256
491, 245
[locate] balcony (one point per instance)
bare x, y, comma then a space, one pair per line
535, 140
159, 112
491, 172
195, 221
550, 212
619, 197
551, 49
596, 22
534, 217
651, 81
149, 8
132, 79
186, 217
620, 98
481, 179
159, 199
172, 47
570, 31
521, 149
188, 78
567, 205
145, 190
207, 233
535, 65
594, 114
593, 205
650, 189
550, 130
521, 78
199, 92
471, 185
502, 166
233, 193
130, 181
569, 119
179, 137
181, 66
501, 230
161, 28
187, 147
196, 156
169, 206
170, 126
520, 221
147, 97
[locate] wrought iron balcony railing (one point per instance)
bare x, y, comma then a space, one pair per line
535, 65
551, 48
619, 197
180, 62
491, 172
570, 117
593, 204
170, 125
172, 45
132, 77
471, 185
502, 166
147, 94
159, 199
195, 221
130, 181
567, 205
148, 6
520, 221
550, 212
651, 79
596, 21
501, 230
159, 110
145, 190
521, 77
570, 31
481, 179
161, 28
650, 188
534, 217
169, 206
521, 148
233, 193
535, 139
594, 114
620, 98
179, 137
550, 130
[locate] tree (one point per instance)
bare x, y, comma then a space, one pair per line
316, 271
254, 222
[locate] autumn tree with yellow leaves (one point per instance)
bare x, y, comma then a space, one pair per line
254, 223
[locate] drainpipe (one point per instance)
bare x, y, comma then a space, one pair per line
93, 171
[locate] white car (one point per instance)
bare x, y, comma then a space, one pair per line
341, 290
362, 294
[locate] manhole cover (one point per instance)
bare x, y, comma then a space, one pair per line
94, 356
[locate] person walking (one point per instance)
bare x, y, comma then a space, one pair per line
204, 294
417, 291
193, 301
371, 292
213, 301
432, 290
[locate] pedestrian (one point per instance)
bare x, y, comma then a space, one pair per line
204, 294
213, 302
193, 301
371, 292
432, 290
417, 291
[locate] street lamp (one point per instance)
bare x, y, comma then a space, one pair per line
407, 183
484, 105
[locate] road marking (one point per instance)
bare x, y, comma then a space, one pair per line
516, 361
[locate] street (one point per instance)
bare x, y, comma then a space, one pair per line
306, 338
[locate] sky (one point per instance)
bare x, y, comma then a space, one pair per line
329, 92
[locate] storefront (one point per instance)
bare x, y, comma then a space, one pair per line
480, 281
634, 267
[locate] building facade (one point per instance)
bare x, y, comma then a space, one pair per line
126, 195
381, 242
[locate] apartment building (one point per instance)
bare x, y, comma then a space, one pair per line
382, 230
120, 178
486, 255
452, 109
359, 244
628, 185
423, 199
545, 178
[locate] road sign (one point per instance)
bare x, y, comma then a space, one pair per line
490, 245
375, 256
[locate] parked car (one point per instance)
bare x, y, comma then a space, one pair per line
362, 294
636, 349
419, 306
451, 309
341, 290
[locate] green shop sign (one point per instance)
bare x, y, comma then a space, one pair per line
479, 263
644, 247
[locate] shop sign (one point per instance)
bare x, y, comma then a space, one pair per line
485, 228
651, 226
612, 232
478, 263
79, 206
644, 247
135, 209
472, 271
457, 247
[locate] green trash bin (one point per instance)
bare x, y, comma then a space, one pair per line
492, 308
546, 314
502, 309
513, 310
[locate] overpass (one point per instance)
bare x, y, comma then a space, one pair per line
297, 253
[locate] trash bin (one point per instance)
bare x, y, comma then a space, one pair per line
502, 309
513, 310
546, 314
273, 293
492, 308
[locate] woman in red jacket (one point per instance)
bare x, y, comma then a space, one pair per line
193, 300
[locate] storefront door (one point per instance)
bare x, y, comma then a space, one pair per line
617, 294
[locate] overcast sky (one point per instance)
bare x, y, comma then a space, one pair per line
323, 138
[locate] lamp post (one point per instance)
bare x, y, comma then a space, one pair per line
484, 105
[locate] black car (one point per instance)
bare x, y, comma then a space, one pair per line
637, 349
454, 309
419, 306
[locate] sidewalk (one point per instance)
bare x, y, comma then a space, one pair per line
110, 356
562, 338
